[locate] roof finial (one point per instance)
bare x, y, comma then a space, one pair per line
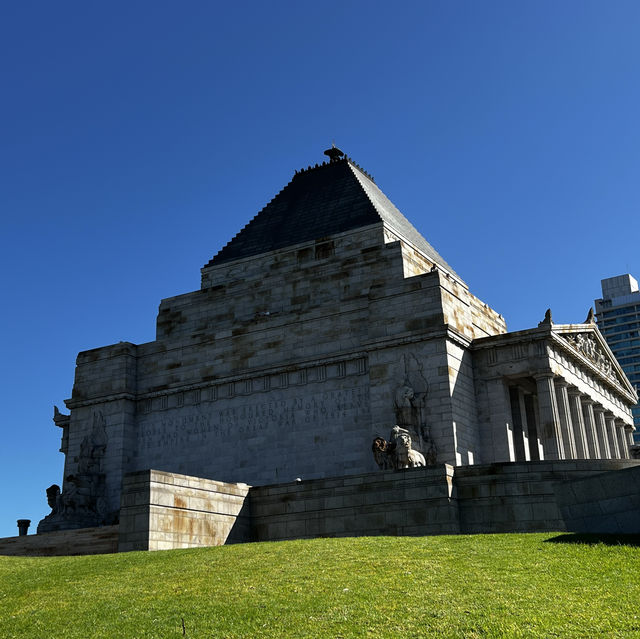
547, 321
334, 153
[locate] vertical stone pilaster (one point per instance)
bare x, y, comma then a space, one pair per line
590, 427
577, 419
601, 430
612, 434
551, 427
566, 423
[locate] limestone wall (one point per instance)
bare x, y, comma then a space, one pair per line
286, 365
412, 502
84, 541
606, 503
166, 510
511, 497
519, 497
161, 511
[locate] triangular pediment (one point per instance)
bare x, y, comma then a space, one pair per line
587, 340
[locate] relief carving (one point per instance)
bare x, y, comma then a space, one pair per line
81, 504
587, 345
409, 406
62, 421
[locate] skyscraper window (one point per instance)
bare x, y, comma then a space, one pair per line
618, 315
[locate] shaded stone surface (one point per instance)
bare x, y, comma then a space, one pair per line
606, 503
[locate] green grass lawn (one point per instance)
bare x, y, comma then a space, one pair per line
450, 586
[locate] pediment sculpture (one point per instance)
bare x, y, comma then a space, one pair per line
586, 344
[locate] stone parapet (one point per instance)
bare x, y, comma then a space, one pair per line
162, 511
519, 497
415, 501
605, 503
82, 541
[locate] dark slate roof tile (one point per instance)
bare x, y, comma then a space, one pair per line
322, 201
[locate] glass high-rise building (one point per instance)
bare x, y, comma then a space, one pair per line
618, 315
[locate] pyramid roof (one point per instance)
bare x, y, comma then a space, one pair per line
320, 201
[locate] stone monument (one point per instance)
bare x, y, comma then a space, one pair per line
327, 321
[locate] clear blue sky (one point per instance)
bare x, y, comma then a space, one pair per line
139, 137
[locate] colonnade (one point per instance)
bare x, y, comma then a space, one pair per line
560, 422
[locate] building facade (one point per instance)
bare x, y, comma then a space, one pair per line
324, 323
618, 314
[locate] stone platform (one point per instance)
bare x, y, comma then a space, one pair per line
162, 511
608, 503
82, 541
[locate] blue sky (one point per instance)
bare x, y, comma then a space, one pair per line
137, 138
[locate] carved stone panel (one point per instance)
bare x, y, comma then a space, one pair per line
586, 344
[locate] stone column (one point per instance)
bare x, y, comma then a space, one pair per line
516, 417
525, 425
577, 419
601, 429
590, 427
628, 429
501, 421
535, 447
551, 435
566, 423
609, 420
623, 442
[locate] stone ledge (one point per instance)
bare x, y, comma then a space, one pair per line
80, 541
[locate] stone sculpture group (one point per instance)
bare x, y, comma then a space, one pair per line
396, 453
81, 505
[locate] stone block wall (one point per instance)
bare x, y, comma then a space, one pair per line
606, 503
83, 541
412, 502
161, 511
490, 498
165, 511
276, 356
520, 497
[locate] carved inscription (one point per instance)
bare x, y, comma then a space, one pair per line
198, 426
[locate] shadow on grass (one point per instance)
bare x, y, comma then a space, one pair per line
592, 539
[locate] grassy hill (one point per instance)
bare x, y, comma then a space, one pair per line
536, 585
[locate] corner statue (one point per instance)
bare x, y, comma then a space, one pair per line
396, 453
81, 503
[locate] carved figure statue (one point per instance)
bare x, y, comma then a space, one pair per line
405, 409
405, 456
409, 402
397, 453
53, 495
588, 346
81, 504
382, 454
